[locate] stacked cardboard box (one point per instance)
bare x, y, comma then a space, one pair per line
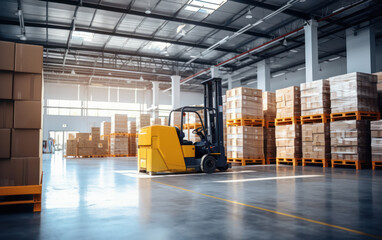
164, 121
353, 92
155, 121
119, 123
288, 141
315, 98
95, 134
316, 141
245, 142
143, 120
269, 106
350, 140
379, 90
21, 87
376, 140
176, 119
288, 102
119, 140
270, 143
87, 144
132, 127
132, 149
105, 128
244, 103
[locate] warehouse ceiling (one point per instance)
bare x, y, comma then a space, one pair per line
132, 42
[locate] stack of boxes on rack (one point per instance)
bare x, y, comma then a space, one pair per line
119, 140
315, 112
353, 96
244, 134
269, 111
376, 143
288, 129
21, 85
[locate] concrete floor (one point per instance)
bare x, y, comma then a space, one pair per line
107, 199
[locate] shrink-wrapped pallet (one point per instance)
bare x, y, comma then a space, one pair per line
315, 98
288, 141
288, 102
119, 123
316, 141
246, 103
376, 140
350, 140
353, 92
245, 142
270, 143
269, 106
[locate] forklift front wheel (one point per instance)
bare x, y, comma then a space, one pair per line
208, 164
223, 169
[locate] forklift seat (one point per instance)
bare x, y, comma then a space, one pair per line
181, 137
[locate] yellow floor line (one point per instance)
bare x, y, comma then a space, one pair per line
276, 212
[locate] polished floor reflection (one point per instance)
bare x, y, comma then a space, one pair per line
107, 199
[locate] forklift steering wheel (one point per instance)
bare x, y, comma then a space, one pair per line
198, 130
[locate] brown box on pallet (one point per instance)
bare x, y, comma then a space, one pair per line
353, 92
288, 102
119, 123
143, 120
27, 86
376, 140
288, 141
83, 135
20, 171
28, 58
119, 145
155, 121
71, 147
269, 106
7, 56
26, 143
164, 121
350, 140
269, 143
6, 114
105, 128
6, 84
5, 146
244, 103
85, 151
28, 114
245, 142
132, 127
316, 141
315, 97
95, 134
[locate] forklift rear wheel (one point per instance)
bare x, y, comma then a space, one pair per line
223, 169
208, 164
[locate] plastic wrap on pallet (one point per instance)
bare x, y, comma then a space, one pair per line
244, 103
119, 123
269, 106
350, 140
288, 141
269, 142
288, 103
376, 140
316, 141
315, 97
353, 92
245, 142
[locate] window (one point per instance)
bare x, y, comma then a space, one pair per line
204, 6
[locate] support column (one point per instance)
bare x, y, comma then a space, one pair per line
155, 105
175, 91
360, 50
263, 75
229, 80
311, 51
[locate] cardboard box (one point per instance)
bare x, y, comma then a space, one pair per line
5, 146
155, 121
288, 102
95, 134
269, 106
20, 171
245, 142
27, 86
132, 127
83, 135
315, 97
28, 114
119, 123
376, 140
144, 120
288, 141
6, 83
105, 128
7, 56
26, 143
316, 141
6, 114
244, 103
28, 58
71, 147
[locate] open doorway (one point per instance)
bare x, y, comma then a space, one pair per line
59, 139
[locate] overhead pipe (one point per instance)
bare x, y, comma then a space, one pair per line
282, 37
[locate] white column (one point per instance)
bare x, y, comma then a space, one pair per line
229, 80
360, 50
263, 75
155, 104
311, 51
175, 91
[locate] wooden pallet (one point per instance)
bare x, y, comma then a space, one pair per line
294, 161
376, 164
34, 190
269, 124
317, 118
356, 163
271, 160
246, 161
87, 156
287, 121
191, 126
357, 115
123, 155
323, 162
246, 122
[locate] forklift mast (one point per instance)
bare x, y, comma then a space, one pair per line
213, 100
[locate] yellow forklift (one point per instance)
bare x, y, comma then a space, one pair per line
163, 148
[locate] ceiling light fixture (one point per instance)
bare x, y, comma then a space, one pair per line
293, 50
285, 42
278, 75
249, 14
302, 68
249, 83
148, 11
73, 72
22, 37
335, 58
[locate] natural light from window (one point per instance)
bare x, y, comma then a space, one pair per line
204, 6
